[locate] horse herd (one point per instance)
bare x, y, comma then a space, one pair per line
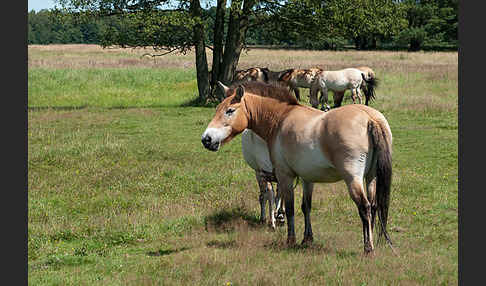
318, 80
283, 140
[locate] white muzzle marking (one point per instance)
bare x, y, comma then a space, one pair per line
212, 137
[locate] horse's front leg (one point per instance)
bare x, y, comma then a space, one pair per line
306, 209
270, 196
313, 100
287, 193
324, 100
297, 92
262, 197
280, 210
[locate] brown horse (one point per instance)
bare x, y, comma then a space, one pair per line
251, 74
352, 143
296, 78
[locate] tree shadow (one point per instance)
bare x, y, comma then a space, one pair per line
56, 108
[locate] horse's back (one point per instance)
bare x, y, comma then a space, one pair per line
341, 80
351, 117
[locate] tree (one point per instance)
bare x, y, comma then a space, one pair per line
179, 28
366, 21
430, 23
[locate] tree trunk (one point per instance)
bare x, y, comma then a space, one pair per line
218, 44
201, 59
373, 42
237, 27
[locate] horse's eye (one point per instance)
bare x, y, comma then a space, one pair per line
230, 111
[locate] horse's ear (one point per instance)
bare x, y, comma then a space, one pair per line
224, 88
240, 91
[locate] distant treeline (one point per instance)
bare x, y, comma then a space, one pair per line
430, 25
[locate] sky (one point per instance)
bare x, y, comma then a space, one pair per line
38, 5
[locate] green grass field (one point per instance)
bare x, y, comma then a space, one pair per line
122, 192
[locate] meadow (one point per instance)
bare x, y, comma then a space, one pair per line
122, 192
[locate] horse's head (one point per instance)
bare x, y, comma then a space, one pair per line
230, 119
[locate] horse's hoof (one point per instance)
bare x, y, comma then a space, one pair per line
272, 226
369, 252
307, 241
291, 241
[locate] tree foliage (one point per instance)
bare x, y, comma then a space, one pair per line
229, 26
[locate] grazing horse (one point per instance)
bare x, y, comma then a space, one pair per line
296, 78
255, 153
370, 82
352, 143
251, 74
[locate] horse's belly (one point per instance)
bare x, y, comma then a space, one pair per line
317, 174
313, 166
337, 86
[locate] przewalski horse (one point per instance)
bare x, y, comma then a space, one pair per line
251, 74
370, 83
296, 78
257, 74
352, 143
255, 153
337, 81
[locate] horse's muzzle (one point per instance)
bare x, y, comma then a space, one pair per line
208, 144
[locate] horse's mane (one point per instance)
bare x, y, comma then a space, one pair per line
273, 90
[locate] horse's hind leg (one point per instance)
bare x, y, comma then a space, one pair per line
324, 100
306, 209
356, 93
360, 97
371, 194
338, 98
357, 193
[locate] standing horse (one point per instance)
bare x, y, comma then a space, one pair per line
370, 82
337, 81
352, 143
255, 153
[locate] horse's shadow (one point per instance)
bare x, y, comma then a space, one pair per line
317, 248
230, 220
162, 252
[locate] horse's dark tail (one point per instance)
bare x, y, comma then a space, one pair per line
371, 84
382, 149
